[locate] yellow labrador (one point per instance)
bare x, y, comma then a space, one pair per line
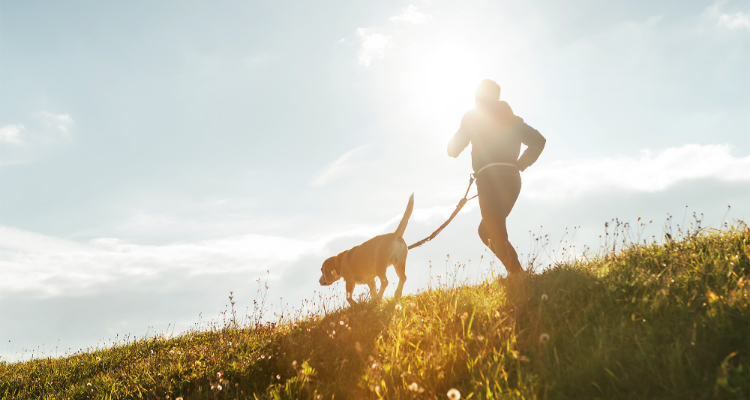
361, 264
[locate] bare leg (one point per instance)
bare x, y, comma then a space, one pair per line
350, 293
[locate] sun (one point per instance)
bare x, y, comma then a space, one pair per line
440, 79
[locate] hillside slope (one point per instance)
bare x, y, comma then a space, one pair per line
658, 321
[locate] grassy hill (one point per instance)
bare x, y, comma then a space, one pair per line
650, 321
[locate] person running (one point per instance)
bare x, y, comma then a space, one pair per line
496, 135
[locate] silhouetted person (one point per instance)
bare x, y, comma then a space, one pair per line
496, 135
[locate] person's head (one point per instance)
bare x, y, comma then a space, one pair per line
488, 90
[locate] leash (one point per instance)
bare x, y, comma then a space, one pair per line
460, 205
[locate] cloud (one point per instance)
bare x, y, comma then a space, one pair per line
46, 130
11, 134
339, 168
373, 45
412, 16
51, 266
648, 173
375, 40
55, 126
738, 20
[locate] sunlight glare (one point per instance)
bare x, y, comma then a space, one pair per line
440, 83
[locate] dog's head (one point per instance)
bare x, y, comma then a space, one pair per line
330, 271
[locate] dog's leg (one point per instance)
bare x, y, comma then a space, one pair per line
400, 268
383, 284
350, 293
373, 289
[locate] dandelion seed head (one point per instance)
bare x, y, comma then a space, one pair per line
545, 297
398, 307
454, 394
543, 338
278, 377
414, 387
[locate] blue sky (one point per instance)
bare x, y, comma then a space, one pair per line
155, 156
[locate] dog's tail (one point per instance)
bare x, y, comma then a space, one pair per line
405, 220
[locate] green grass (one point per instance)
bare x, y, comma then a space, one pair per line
650, 321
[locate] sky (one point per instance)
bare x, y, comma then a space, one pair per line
155, 156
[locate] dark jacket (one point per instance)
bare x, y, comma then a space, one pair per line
496, 135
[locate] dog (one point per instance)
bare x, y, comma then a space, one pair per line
361, 264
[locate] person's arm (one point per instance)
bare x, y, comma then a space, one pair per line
535, 142
460, 140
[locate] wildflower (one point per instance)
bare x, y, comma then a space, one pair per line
294, 364
179, 398
543, 338
278, 377
398, 307
218, 387
341, 322
413, 387
480, 338
454, 394
497, 314
218, 374
295, 326
545, 297
88, 384
171, 351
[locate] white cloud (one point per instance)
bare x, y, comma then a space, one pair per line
341, 167
648, 173
738, 20
11, 134
375, 40
412, 16
46, 131
51, 266
56, 126
373, 45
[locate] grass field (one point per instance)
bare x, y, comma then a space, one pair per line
666, 320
